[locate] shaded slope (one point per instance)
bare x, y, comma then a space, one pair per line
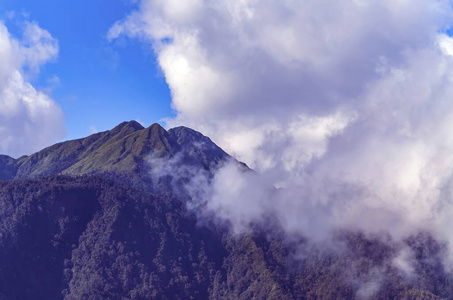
197, 148
8, 167
40, 223
89, 238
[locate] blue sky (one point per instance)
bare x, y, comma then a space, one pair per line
342, 102
100, 83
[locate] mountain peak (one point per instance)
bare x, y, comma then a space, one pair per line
199, 148
130, 127
121, 150
185, 134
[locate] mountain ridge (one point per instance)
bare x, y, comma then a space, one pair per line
123, 149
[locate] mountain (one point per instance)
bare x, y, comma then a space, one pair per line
90, 238
8, 167
122, 150
75, 223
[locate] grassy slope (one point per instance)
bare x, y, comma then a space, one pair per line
122, 150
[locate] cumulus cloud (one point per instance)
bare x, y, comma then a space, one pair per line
29, 119
344, 105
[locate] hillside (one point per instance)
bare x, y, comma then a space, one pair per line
90, 238
98, 236
123, 150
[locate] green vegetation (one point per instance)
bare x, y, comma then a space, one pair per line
80, 220
91, 238
123, 150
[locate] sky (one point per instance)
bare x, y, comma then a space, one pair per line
345, 106
96, 83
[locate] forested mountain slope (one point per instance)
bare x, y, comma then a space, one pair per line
92, 234
91, 238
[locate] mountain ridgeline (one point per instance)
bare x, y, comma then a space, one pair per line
122, 150
82, 220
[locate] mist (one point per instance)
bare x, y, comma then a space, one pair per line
344, 109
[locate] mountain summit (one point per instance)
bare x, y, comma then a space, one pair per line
123, 149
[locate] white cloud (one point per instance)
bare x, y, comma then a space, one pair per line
93, 129
29, 119
38, 46
446, 44
347, 104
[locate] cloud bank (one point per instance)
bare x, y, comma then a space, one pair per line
29, 119
347, 106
